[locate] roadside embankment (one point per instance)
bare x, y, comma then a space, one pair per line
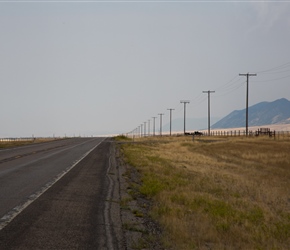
140, 231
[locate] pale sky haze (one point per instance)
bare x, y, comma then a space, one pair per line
102, 67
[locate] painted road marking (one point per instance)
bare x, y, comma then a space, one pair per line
7, 218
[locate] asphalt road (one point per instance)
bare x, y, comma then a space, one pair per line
54, 196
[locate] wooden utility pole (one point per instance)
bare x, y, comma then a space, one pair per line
141, 129
247, 101
144, 129
154, 125
148, 127
161, 123
170, 119
208, 97
184, 102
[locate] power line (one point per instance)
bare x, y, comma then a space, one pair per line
200, 102
232, 89
228, 83
178, 108
234, 84
285, 65
228, 88
197, 98
274, 79
277, 72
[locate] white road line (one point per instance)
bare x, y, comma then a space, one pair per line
7, 218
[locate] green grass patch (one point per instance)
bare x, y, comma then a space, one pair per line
151, 185
122, 138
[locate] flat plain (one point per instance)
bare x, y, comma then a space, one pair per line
216, 192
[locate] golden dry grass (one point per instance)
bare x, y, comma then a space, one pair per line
217, 193
12, 144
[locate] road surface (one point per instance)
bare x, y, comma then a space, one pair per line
57, 195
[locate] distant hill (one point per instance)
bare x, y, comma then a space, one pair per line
263, 113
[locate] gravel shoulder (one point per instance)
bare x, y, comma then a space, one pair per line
139, 231
96, 205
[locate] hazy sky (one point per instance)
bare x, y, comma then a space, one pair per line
98, 67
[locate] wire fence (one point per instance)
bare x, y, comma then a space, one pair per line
17, 139
223, 133
278, 134
29, 139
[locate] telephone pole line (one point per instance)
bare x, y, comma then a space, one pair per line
184, 102
154, 125
161, 123
170, 118
247, 101
208, 97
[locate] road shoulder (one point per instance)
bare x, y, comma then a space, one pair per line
138, 229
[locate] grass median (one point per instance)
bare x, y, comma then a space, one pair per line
218, 192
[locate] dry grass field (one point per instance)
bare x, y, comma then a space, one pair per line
13, 144
216, 192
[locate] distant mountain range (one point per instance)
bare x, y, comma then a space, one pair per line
263, 113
